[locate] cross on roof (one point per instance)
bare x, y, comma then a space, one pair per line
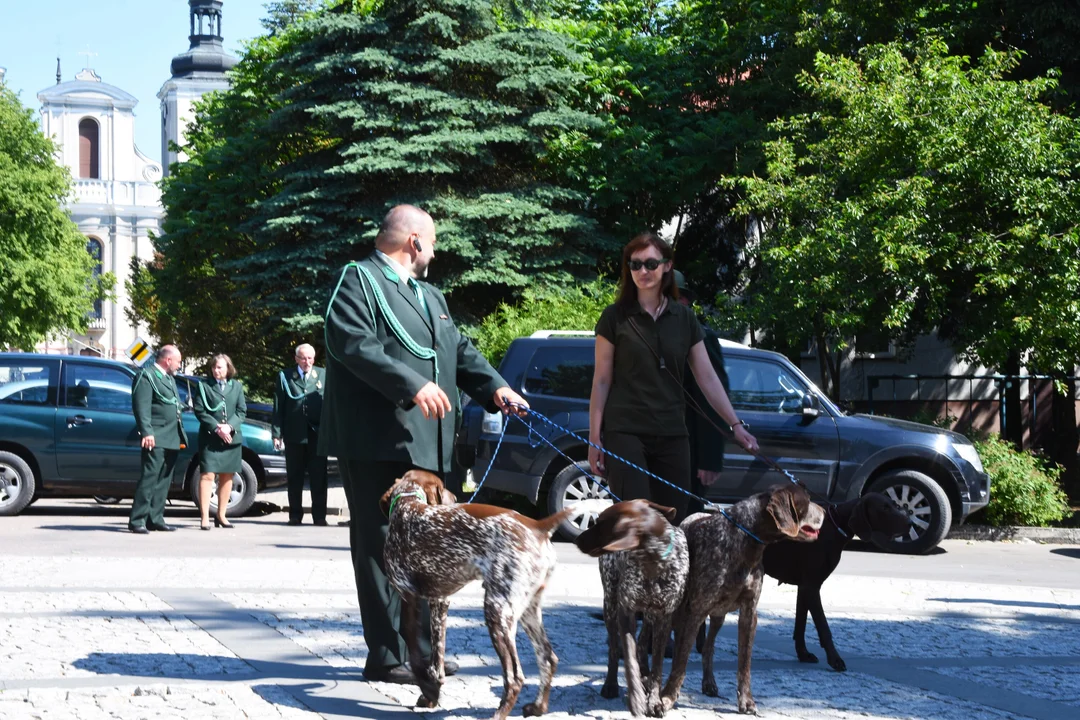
88, 53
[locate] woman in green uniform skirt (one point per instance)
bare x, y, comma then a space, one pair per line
220, 407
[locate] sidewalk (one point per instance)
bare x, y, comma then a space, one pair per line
337, 507
270, 633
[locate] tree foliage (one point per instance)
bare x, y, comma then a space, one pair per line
927, 193
47, 280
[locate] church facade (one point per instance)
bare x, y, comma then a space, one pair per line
116, 201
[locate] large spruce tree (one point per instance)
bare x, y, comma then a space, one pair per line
431, 102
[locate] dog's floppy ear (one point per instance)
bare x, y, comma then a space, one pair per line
860, 518
668, 512
430, 484
613, 532
446, 497
783, 511
384, 501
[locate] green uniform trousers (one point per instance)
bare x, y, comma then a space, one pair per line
303, 459
380, 604
153, 488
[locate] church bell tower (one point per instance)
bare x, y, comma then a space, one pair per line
194, 73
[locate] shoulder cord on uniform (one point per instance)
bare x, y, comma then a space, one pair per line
149, 376
285, 387
205, 402
391, 319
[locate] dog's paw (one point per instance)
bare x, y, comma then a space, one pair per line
654, 705
533, 710
424, 702
747, 706
807, 657
668, 702
610, 691
708, 687
837, 663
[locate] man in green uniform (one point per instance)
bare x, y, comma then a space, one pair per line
395, 360
298, 398
156, 405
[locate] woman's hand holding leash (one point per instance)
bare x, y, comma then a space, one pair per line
596, 460
744, 438
510, 402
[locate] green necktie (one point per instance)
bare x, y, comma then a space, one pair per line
419, 294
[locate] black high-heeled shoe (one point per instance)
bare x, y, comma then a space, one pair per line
218, 522
204, 527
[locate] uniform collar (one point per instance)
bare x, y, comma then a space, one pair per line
400, 274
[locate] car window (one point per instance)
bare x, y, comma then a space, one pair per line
763, 386
26, 383
183, 388
95, 387
561, 372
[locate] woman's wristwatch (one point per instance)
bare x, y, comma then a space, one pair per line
738, 423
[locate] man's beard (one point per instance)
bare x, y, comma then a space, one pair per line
420, 271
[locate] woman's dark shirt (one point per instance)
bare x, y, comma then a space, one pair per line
644, 399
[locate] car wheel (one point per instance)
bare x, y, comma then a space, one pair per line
244, 488
106, 499
16, 484
926, 504
573, 488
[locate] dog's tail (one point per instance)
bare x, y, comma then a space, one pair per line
547, 526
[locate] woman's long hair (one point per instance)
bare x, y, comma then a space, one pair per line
230, 371
627, 296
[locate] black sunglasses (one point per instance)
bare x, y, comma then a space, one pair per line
650, 264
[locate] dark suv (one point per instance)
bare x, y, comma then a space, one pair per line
935, 474
67, 430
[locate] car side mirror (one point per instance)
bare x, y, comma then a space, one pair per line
810, 406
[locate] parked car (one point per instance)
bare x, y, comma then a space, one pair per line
935, 474
67, 430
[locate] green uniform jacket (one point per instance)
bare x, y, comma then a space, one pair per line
157, 407
706, 442
213, 408
297, 404
368, 414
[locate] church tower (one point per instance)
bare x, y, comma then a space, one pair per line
198, 71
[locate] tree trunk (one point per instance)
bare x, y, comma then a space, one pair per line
1066, 439
829, 371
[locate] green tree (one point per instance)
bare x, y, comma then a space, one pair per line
47, 281
928, 193
280, 14
441, 103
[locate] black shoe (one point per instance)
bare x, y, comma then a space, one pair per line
160, 528
294, 521
138, 529
398, 675
218, 522
320, 523
450, 667
204, 527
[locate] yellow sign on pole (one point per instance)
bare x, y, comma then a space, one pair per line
139, 351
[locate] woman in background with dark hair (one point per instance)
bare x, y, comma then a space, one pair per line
221, 409
637, 407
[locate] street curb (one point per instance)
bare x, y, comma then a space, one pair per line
1056, 536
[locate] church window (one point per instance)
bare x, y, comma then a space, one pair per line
97, 252
88, 149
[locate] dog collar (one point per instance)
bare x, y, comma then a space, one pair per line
418, 494
670, 545
828, 513
755, 537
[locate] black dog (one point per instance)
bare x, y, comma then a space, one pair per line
809, 565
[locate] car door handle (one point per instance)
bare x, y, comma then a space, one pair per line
74, 420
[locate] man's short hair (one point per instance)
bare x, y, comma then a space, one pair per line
304, 346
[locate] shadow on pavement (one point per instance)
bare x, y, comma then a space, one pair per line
1067, 552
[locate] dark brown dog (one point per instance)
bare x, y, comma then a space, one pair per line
809, 565
643, 566
726, 575
434, 548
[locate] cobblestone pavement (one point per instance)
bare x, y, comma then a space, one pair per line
114, 636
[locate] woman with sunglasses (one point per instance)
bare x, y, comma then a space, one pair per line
637, 407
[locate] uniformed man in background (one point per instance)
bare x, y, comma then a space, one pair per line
298, 397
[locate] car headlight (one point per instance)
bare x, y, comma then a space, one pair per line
969, 453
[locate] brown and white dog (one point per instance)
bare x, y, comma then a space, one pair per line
726, 575
434, 548
643, 566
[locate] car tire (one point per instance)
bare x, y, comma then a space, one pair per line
927, 505
245, 488
17, 484
572, 486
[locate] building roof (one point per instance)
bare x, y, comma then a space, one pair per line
88, 89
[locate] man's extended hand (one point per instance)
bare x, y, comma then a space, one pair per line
148, 442
279, 444
432, 401
510, 402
